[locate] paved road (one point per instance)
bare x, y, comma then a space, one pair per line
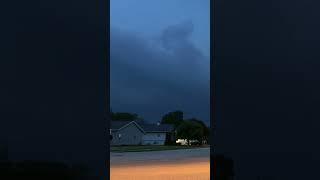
200, 154
186, 164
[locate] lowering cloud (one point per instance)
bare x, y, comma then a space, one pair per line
154, 76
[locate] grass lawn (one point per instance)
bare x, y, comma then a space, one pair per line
149, 148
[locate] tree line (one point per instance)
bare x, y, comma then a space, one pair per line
188, 129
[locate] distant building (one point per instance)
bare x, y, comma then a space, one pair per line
137, 133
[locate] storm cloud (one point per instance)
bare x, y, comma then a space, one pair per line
152, 76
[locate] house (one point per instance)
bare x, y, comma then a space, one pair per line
157, 134
126, 133
137, 133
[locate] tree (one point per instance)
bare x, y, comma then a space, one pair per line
190, 130
124, 116
193, 129
175, 118
206, 130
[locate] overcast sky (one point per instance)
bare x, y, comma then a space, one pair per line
160, 57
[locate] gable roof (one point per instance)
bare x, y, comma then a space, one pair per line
157, 128
117, 125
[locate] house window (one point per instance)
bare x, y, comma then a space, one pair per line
134, 137
119, 135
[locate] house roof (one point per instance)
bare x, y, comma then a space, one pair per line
115, 125
157, 128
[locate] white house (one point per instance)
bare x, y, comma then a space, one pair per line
157, 134
134, 133
154, 138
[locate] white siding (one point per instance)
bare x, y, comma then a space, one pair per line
129, 135
154, 138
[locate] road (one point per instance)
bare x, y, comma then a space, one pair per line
186, 164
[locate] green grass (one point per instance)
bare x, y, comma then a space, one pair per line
148, 148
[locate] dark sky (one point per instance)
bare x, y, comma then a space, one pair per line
160, 61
